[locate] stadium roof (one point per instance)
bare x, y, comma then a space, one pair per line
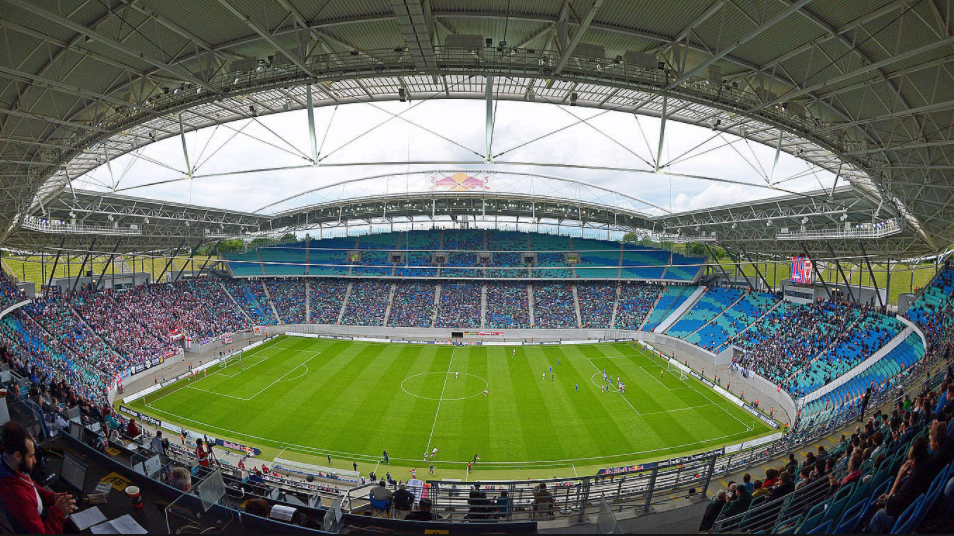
861, 89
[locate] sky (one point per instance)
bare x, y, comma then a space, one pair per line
451, 130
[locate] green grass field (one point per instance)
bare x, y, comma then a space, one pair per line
305, 398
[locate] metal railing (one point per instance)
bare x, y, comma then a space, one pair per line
882, 229
57, 227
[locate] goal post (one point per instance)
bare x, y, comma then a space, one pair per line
676, 369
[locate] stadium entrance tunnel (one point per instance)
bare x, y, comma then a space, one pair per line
448, 386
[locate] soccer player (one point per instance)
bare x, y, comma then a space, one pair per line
455, 375
414, 472
514, 354
552, 375
431, 470
577, 387
329, 459
485, 392
661, 371
476, 457
470, 466
434, 453
387, 461
544, 376
425, 455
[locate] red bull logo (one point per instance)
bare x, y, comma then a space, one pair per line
460, 182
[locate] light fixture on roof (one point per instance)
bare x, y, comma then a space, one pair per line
805, 220
768, 223
573, 97
402, 95
844, 216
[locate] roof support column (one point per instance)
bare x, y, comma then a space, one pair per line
55, 262
109, 263
185, 149
311, 125
842, 273
738, 266
169, 263
186, 263
874, 281
489, 129
778, 151
662, 131
756, 266
79, 273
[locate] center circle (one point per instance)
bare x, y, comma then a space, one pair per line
444, 385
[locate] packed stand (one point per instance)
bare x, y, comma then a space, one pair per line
892, 475
710, 305
504, 265
596, 304
9, 293
33, 354
716, 335
933, 312
870, 333
201, 308
553, 306
55, 317
635, 302
459, 306
288, 296
413, 305
244, 293
120, 327
327, 295
507, 306
367, 303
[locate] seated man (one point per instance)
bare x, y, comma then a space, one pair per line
30, 508
132, 431
403, 499
181, 479
914, 478
381, 492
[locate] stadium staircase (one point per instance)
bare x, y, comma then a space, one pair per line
576, 307
619, 288
681, 310
307, 301
236, 303
344, 304
271, 304
387, 310
755, 322
666, 268
483, 306
437, 303
261, 264
648, 314
530, 304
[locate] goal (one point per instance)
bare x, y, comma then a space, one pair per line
675, 369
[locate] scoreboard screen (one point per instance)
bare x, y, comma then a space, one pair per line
802, 270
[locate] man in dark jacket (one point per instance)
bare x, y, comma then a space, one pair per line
914, 478
403, 499
712, 512
30, 508
740, 500
785, 486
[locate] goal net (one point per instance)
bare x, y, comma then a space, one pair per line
678, 371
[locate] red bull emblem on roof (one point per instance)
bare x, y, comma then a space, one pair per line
460, 182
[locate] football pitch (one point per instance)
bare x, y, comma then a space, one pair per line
305, 398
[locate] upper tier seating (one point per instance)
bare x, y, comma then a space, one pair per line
643, 263
684, 268
283, 260
245, 264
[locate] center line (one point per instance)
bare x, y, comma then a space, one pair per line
441, 399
